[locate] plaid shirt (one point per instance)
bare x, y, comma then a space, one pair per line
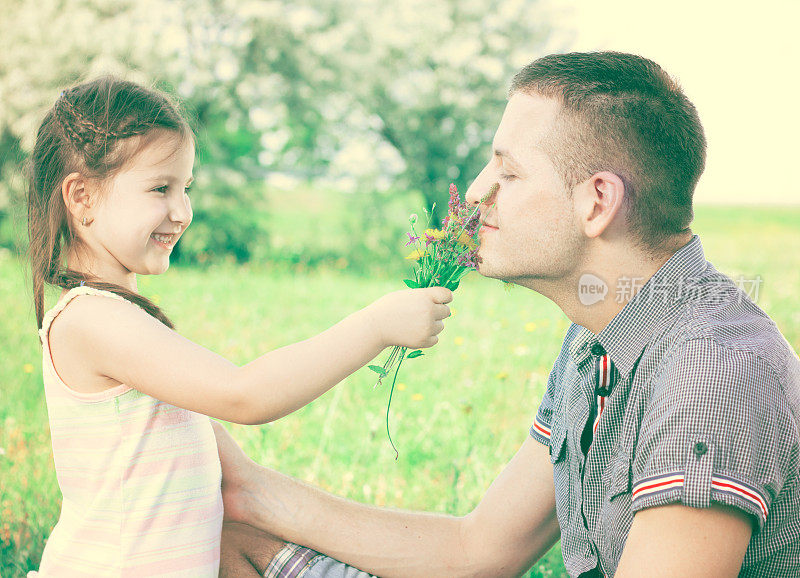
704, 406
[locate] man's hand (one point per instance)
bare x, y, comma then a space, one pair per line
676, 540
237, 469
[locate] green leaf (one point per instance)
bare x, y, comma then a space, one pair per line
453, 286
414, 354
377, 369
411, 283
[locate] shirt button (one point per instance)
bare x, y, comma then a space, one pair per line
598, 349
700, 448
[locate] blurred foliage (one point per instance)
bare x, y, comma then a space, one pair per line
368, 96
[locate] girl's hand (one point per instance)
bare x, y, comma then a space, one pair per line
412, 317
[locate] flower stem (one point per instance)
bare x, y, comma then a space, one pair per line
389, 405
455, 271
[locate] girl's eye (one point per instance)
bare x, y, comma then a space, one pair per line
507, 177
161, 189
186, 190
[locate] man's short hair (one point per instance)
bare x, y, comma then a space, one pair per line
622, 113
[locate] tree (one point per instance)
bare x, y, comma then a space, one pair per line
397, 95
371, 95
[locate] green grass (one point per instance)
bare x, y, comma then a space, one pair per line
461, 413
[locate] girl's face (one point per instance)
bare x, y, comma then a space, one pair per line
142, 213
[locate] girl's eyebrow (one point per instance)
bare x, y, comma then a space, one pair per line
170, 179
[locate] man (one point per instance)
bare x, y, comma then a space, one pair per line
667, 440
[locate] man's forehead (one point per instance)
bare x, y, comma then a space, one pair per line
527, 119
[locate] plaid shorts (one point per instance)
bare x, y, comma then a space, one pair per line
295, 561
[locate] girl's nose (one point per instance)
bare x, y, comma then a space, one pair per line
181, 211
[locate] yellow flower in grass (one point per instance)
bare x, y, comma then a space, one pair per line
416, 255
417, 397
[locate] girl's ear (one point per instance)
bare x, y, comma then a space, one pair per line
77, 197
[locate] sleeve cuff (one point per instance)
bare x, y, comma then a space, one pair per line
540, 431
672, 488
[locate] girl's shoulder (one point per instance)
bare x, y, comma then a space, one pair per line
75, 329
66, 298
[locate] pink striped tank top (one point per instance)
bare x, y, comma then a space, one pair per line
140, 480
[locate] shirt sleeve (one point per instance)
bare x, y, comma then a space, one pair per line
717, 428
540, 429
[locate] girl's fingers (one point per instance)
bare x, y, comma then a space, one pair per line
441, 311
440, 294
438, 326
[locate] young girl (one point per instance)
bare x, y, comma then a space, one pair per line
127, 396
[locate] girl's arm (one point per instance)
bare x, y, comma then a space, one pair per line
120, 341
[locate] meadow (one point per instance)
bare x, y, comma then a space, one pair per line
458, 415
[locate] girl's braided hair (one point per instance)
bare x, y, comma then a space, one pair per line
89, 130
82, 130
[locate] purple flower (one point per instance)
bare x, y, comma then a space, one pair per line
454, 201
472, 224
468, 259
411, 239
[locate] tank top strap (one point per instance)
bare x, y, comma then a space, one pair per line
51, 314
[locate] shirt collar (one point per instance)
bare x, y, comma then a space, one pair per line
626, 335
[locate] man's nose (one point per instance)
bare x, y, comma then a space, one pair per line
480, 186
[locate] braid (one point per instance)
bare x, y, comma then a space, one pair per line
81, 131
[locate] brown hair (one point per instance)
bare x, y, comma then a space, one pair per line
622, 113
89, 130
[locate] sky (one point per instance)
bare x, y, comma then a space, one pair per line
738, 62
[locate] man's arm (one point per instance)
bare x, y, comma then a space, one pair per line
676, 540
514, 525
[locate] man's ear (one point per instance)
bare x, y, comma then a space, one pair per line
598, 201
77, 197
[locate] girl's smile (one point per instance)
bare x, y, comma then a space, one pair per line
167, 241
137, 221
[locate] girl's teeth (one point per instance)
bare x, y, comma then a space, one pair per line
163, 238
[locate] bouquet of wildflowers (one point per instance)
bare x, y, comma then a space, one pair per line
442, 257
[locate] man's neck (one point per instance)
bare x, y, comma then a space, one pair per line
597, 291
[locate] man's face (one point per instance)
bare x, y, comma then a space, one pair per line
529, 231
